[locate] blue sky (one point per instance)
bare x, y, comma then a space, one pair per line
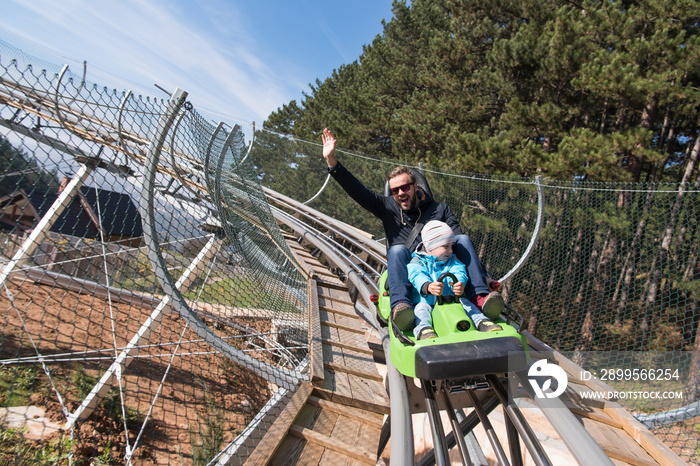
238, 60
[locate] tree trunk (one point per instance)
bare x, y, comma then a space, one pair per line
595, 311
692, 388
629, 267
567, 301
662, 255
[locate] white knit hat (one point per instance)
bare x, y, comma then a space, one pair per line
435, 234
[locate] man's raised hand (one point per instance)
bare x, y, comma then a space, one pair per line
329, 147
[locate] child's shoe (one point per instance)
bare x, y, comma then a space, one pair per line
491, 304
404, 317
427, 333
488, 326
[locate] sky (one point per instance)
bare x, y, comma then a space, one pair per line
238, 60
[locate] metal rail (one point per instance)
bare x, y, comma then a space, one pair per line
535, 233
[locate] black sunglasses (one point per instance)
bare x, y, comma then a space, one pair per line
405, 188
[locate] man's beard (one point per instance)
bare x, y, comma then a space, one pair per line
412, 202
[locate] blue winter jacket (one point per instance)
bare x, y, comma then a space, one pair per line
425, 268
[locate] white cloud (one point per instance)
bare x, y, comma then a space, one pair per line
151, 44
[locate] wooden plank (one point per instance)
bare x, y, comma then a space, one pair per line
595, 414
618, 444
366, 405
272, 439
295, 450
348, 370
357, 365
372, 419
338, 312
573, 395
369, 391
332, 285
315, 337
335, 294
290, 451
357, 349
323, 297
349, 431
334, 381
343, 327
323, 270
335, 445
653, 446
305, 268
356, 433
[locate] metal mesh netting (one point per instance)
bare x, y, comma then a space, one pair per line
611, 282
89, 341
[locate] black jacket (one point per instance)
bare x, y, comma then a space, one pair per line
397, 223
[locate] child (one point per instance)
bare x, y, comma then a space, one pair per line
433, 257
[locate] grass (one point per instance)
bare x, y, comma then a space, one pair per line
16, 384
240, 292
16, 450
209, 440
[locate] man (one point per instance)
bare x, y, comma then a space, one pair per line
399, 212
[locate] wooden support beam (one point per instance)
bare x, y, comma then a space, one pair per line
335, 311
337, 300
333, 285
357, 349
375, 421
349, 370
333, 444
315, 339
273, 438
343, 327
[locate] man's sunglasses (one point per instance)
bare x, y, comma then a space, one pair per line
405, 188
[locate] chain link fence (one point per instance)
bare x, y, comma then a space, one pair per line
150, 309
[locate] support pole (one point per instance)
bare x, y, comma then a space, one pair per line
490, 432
442, 456
402, 447
513, 442
533, 445
456, 429
535, 234
584, 449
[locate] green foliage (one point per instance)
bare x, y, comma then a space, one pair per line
131, 417
238, 291
209, 439
602, 90
81, 382
19, 170
16, 383
16, 450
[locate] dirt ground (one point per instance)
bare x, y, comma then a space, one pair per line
182, 399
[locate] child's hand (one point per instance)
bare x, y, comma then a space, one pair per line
458, 288
435, 288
